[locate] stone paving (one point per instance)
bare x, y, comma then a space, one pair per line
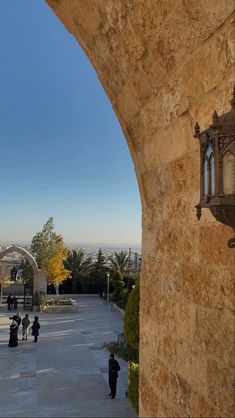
65, 373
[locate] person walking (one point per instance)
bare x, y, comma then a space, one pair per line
17, 319
113, 375
13, 340
25, 326
35, 329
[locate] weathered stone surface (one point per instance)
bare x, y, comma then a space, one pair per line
165, 65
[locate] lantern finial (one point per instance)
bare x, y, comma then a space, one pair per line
196, 130
215, 118
232, 101
198, 211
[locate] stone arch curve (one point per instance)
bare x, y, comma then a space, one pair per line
165, 65
24, 253
39, 279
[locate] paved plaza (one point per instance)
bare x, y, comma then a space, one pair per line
65, 373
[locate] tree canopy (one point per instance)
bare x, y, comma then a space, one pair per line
45, 244
120, 262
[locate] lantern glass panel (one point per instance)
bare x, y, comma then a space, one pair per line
212, 171
229, 173
205, 177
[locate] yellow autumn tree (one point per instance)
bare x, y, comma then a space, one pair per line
54, 267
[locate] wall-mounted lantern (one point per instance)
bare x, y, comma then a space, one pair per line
217, 168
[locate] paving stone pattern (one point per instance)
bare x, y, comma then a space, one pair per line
65, 373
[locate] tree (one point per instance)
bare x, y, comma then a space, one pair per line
120, 262
99, 272
117, 284
80, 268
54, 266
26, 272
45, 244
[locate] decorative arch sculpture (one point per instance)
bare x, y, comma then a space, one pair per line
39, 279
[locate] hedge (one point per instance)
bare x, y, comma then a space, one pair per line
133, 385
131, 320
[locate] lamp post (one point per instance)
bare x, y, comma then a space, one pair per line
108, 275
217, 168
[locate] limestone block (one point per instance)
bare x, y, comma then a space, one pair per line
180, 393
165, 410
148, 396
213, 243
218, 10
208, 286
132, 45
136, 131
215, 334
204, 70
221, 387
127, 103
173, 43
200, 407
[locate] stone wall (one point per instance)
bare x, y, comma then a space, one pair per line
166, 64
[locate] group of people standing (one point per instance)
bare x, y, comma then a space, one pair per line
12, 303
14, 328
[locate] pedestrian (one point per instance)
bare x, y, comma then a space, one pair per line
113, 375
25, 326
15, 302
9, 302
35, 329
13, 341
17, 319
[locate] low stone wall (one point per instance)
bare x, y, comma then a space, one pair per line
61, 309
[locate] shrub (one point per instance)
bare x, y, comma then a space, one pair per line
122, 349
131, 320
117, 283
133, 385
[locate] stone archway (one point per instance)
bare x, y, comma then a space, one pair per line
165, 65
39, 280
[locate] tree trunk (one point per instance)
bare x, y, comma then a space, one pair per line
56, 289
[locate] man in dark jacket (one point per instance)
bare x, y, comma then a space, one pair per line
113, 375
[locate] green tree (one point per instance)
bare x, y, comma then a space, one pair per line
99, 272
120, 262
131, 320
45, 243
80, 269
117, 283
26, 272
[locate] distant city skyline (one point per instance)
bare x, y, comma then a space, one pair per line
63, 153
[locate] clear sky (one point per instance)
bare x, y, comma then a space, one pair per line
62, 151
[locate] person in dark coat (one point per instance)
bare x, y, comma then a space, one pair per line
13, 340
17, 319
15, 302
9, 302
113, 375
35, 329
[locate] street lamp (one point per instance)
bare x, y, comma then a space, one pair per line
108, 275
217, 168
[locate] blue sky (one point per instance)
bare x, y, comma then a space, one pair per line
62, 151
